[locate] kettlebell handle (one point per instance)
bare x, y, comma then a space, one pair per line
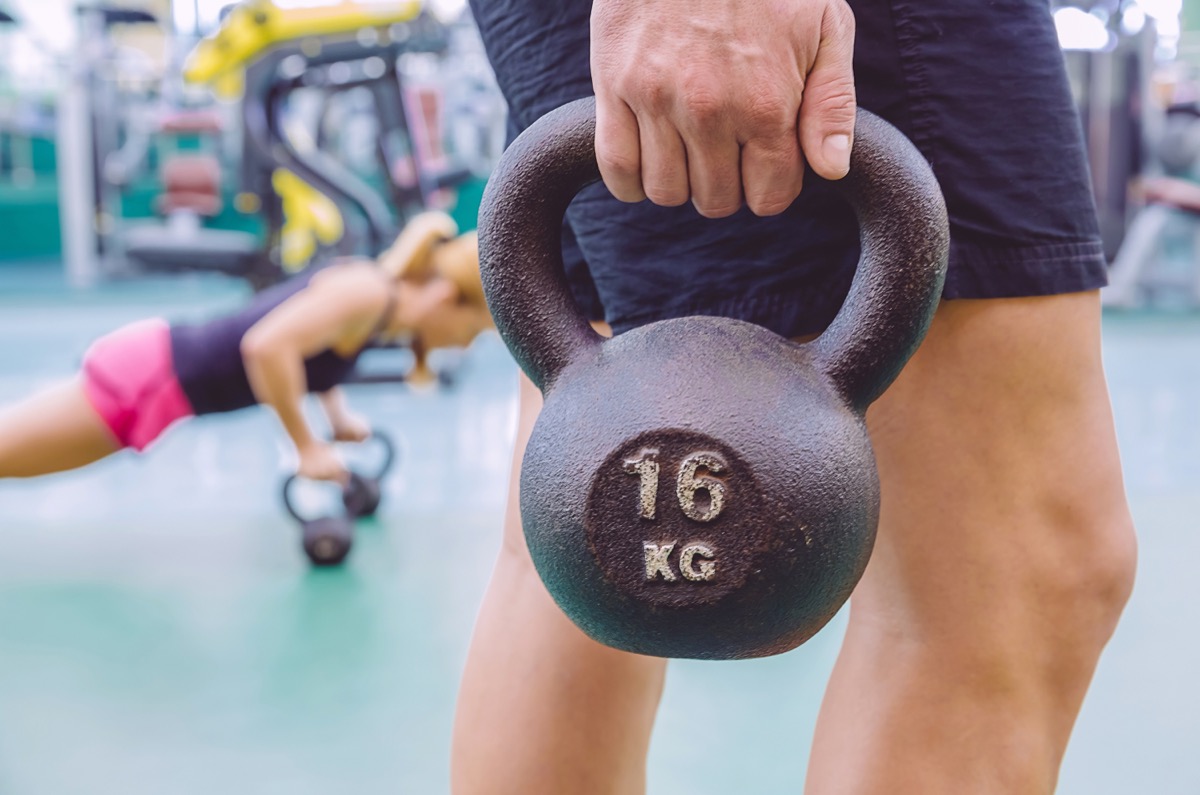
520, 240
389, 452
285, 492
903, 231
386, 444
904, 238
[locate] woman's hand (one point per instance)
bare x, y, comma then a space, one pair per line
350, 427
339, 308
721, 101
320, 461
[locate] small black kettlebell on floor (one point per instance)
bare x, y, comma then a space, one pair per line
702, 487
363, 492
327, 539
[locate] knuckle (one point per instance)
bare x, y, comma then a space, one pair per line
617, 161
704, 108
769, 112
666, 195
771, 202
716, 208
701, 100
655, 96
835, 102
838, 22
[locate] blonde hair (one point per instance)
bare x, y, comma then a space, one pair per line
430, 246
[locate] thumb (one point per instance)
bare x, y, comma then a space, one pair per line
828, 105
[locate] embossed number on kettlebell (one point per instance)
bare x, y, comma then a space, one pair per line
687, 483
658, 561
646, 466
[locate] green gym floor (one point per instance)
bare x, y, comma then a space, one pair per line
162, 634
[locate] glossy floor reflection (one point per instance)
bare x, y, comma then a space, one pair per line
160, 631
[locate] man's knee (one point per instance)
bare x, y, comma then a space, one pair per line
1048, 629
1085, 575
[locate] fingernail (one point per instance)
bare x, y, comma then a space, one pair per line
836, 149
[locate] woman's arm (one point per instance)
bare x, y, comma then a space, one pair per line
337, 310
346, 425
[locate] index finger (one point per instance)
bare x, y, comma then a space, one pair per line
618, 148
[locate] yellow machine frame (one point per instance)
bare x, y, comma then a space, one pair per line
220, 59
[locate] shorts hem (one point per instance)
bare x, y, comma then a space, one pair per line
788, 314
976, 272
103, 403
1021, 271
129, 379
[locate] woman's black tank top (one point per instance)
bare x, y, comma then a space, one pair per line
208, 356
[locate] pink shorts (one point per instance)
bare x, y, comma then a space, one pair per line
129, 378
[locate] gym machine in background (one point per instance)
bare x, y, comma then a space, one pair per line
1137, 95
1110, 79
288, 77
28, 97
102, 80
1158, 262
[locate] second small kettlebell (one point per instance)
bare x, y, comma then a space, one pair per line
364, 492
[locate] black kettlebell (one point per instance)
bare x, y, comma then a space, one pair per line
363, 492
326, 539
702, 487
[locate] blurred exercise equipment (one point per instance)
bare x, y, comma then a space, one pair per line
1111, 87
1142, 272
363, 491
321, 137
191, 192
275, 59
28, 198
327, 540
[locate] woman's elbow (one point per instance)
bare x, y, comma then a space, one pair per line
256, 346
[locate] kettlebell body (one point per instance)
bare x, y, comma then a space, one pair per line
327, 540
363, 493
702, 487
682, 510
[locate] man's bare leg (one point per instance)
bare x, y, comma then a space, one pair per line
543, 708
1005, 555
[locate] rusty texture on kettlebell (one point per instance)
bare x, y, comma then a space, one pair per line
702, 487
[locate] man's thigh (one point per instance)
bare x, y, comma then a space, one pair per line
999, 471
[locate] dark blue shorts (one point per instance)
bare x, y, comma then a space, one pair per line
978, 85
